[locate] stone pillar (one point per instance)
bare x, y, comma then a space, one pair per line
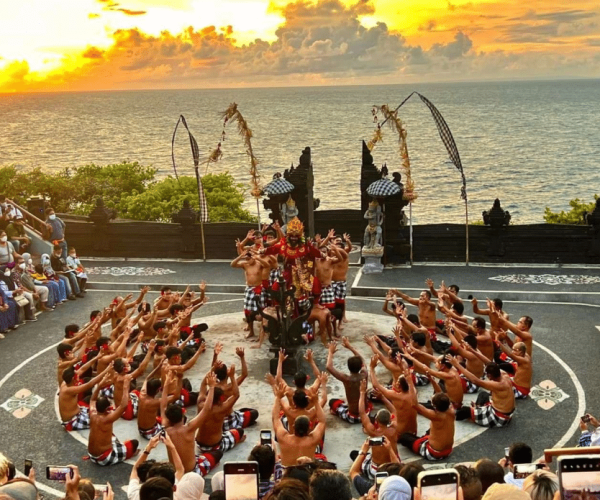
497, 219
303, 180
186, 218
101, 217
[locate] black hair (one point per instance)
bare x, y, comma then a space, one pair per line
403, 383
145, 306
440, 401
158, 325
418, 338
471, 340
528, 320
68, 375
490, 472
176, 307
174, 413
300, 399
265, 456
428, 293
218, 394
300, 379
414, 319
163, 469
172, 351
291, 488
153, 386
479, 322
221, 372
63, 349
156, 488
355, 364
143, 468
498, 303
492, 370
458, 307
71, 329
94, 314
301, 426
456, 287
410, 472
102, 404
102, 341
56, 247
217, 495
469, 481
327, 484
164, 288
520, 453
119, 365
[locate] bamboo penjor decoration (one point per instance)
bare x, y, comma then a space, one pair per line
392, 119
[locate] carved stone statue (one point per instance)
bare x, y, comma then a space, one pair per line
288, 212
372, 239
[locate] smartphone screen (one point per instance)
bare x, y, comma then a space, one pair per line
265, 437
57, 473
580, 477
241, 480
521, 471
439, 486
380, 477
28, 466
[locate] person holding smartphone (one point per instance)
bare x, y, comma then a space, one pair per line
589, 437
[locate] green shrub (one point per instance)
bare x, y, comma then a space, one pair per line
573, 216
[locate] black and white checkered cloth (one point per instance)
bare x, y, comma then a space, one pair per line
80, 421
340, 288
382, 188
278, 186
368, 468
228, 440
488, 416
117, 454
251, 299
327, 295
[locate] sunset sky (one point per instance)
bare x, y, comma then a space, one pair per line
58, 45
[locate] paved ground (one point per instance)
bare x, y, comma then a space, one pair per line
566, 332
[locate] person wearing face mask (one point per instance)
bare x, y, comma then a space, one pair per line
16, 234
41, 280
74, 264
12, 291
31, 296
60, 280
7, 212
39, 292
8, 253
9, 313
56, 231
60, 267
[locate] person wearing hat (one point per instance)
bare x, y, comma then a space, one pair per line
395, 488
16, 234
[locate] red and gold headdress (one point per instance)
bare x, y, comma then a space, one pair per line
295, 227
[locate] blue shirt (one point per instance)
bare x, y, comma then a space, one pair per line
58, 229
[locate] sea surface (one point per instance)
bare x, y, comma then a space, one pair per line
531, 144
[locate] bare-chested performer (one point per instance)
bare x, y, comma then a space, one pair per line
490, 411
300, 441
495, 323
242, 418
445, 371
522, 379
210, 435
340, 272
173, 364
403, 396
73, 413
485, 338
438, 442
425, 305
182, 435
149, 405
467, 349
382, 426
253, 270
522, 329
103, 447
122, 306
348, 411
324, 272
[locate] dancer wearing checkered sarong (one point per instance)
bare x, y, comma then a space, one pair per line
253, 270
490, 410
103, 447
74, 414
341, 249
438, 442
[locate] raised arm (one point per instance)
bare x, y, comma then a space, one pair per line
241, 354
311, 361
118, 411
364, 418
337, 374
406, 298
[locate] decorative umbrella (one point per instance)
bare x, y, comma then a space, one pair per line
278, 186
383, 188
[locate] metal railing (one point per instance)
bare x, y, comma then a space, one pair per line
34, 223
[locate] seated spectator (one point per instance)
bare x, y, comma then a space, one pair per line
541, 485
505, 492
265, 457
156, 488
39, 292
41, 280
8, 253
489, 472
44, 270
469, 482
589, 438
9, 313
74, 264
59, 266
327, 484
17, 235
395, 488
289, 489
7, 212
519, 453
13, 292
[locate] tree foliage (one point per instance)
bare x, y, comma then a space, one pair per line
573, 216
129, 188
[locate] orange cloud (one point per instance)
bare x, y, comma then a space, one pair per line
131, 12
326, 43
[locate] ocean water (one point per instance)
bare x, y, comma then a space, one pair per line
531, 144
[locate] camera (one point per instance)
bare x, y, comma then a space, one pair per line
376, 441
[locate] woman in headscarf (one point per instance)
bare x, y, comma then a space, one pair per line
9, 310
40, 279
63, 284
16, 278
